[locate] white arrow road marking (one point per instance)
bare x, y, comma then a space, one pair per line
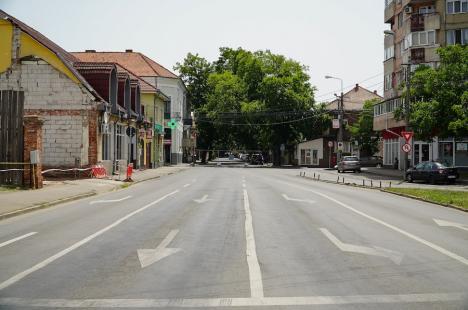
76, 245
17, 239
395, 257
443, 223
109, 201
297, 200
151, 256
202, 200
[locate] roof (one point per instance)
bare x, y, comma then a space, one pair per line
67, 58
94, 67
145, 87
354, 99
138, 63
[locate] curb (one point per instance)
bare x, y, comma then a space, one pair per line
390, 192
73, 198
46, 205
426, 200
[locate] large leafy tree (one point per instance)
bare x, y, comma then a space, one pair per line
363, 130
440, 96
252, 100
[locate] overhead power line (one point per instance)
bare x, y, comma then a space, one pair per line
338, 90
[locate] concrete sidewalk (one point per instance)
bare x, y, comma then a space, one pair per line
54, 192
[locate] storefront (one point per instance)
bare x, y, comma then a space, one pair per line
453, 152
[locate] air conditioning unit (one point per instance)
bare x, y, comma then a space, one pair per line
408, 9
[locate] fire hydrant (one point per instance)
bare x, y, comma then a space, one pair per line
129, 173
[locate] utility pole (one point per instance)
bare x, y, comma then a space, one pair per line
340, 117
407, 114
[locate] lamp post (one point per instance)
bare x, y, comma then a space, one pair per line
406, 102
340, 117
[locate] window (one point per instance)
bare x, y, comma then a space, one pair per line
458, 36
307, 157
106, 145
400, 20
457, 6
391, 151
388, 2
426, 9
388, 81
389, 53
315, 157
420, 38
119, 137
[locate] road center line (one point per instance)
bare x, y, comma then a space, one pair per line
51, 259
255, 274
108, 201
17, 239
232, 302
392, 227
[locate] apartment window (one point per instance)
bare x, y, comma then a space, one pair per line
458, 36
426, 9
388, 2
388, 81
315, 157
420, 38
400, 20
391, 151
119, 137
389, 53
457, 6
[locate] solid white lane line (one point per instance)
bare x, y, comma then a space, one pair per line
51, 259
187, 185
255, 274
392, 227
108, 201
17, 239
233, 302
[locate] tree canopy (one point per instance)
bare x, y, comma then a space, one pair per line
251, 100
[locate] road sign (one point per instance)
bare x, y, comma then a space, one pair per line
330, 143
336, 123
340, 146
406, 148
407, 135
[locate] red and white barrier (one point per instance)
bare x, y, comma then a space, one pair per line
99, 172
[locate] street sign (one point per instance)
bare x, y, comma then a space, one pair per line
406, 148
336, 124
330, 143
407, 135
340, 146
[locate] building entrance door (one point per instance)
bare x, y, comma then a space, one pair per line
422, 153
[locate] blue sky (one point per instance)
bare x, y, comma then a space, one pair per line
332, 37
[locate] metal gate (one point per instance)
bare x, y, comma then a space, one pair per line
11, 137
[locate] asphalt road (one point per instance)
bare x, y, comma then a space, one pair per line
213, 237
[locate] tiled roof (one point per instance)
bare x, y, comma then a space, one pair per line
67, 58
145, 87
136, 62
95, 67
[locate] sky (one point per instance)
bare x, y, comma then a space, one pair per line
340, 38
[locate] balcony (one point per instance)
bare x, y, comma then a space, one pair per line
418, 55
389, 12
422, 22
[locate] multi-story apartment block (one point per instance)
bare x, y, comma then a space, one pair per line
417, 29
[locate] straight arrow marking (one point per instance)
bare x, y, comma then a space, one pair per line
108, 201
395, 257
202, 200
297, 200
150, 256
443, 223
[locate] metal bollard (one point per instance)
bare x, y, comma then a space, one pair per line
363, 182
390, 185
314, 175
343, 180
371, 184
319, 177
338, 179
380, 184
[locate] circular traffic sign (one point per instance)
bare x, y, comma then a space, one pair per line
330, 143
406, 148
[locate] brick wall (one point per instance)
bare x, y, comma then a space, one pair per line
66, 108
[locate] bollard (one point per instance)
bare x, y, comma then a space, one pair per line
343, 180
314, 175
371, 184
363, 183
338, 179
390, 185
129, 173
380, 184
319, 177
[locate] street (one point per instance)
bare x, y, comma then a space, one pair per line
214, 237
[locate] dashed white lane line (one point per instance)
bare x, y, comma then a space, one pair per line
17, 239
109, 201
76, 245
187, 185
232, 302
255, 274
390, 226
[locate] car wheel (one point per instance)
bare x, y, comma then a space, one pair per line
409, 178
358, 171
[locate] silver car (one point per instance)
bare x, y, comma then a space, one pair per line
349, 163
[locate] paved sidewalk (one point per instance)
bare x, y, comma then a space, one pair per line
55, 192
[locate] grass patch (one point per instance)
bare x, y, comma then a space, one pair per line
456, 198
9, 188
125, 185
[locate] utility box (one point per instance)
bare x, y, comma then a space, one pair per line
34, 157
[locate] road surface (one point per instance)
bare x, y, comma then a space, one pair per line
216, 238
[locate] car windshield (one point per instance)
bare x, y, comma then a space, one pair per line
351, 158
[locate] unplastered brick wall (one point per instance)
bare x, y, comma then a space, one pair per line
65, 107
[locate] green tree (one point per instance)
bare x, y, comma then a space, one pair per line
439, 97
363, 130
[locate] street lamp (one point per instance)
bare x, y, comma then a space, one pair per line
406, 104
340, 117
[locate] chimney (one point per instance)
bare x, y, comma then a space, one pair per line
129, 51
357, 87
375, 91
90, 51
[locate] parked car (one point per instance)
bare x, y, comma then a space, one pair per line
349, 163
244, 157
256, 159
371, 161
432, 172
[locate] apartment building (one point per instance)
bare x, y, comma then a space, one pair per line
417, 29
